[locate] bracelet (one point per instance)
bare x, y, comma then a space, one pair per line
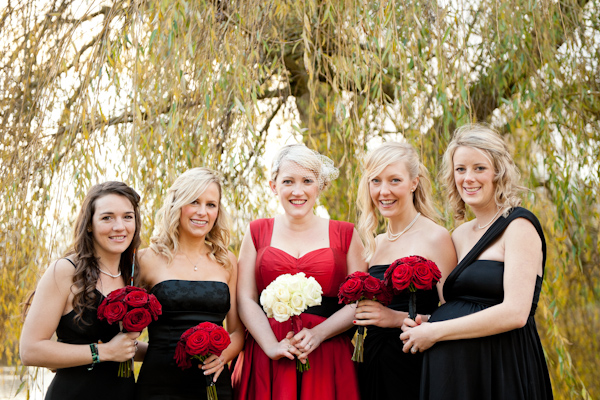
95, 357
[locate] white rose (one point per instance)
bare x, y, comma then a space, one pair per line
313, 292
281, 311
296, 282
298, 303
281, 292
267, 299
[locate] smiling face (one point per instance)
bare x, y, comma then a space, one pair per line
297, 188
474, 177
113, 224
391, 189
198, 218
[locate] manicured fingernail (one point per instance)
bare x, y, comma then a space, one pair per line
353, 322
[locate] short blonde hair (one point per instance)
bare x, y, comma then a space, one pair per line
507, 176
320, 165
375, 162
187, 188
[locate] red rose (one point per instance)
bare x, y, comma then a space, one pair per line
358, 274
136, 320
422, 277
437, 274
207, 326
137, 298
114, 312
101, 310
384, 296
154, 306
181, 357
401, 277
117, 295
219, 340
197, 344
371, 287
350, 290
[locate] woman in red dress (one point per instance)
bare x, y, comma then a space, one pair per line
297, 241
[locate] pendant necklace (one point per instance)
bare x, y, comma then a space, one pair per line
493, 218
393, 236
195, 265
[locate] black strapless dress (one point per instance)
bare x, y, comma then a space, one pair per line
184, 304
102, 382
508, 365
387, 372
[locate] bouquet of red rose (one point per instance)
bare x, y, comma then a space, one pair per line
362, 286
133, 308
412, 273
199, 342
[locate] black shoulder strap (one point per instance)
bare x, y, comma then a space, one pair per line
492, 234
65, 258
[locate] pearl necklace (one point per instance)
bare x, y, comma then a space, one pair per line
109, 274
394, 236
491, 220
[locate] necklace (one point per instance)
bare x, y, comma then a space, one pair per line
109, 274
195, 265
493, 218
393, 236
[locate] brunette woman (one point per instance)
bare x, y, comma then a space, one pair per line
87, 353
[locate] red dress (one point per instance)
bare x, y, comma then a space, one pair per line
332, 373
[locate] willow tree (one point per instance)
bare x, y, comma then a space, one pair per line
142, 90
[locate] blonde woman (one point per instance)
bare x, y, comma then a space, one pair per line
298, 241
483, 343
193, 275
395, 185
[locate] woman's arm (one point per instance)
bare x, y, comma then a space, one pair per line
214, 365
309, 339
52, 299
522, 264
251, 313
444, 255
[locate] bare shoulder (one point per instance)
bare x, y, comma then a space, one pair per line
522, 231
435, 232
232, 258
58, 276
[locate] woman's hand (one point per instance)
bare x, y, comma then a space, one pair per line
371, 312
417, 335
306, 341
122, 347
284, 348
213, 365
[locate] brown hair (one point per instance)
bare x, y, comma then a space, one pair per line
82, 249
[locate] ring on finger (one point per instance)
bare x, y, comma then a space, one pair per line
289, 347
413, 350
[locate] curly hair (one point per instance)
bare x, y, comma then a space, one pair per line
82, 248
491, 144
187, 188
375, 162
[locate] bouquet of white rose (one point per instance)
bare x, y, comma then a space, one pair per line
287, 297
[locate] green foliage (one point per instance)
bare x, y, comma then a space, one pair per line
141, 91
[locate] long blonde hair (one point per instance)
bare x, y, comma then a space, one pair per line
375, 162
187, 188
506, 179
